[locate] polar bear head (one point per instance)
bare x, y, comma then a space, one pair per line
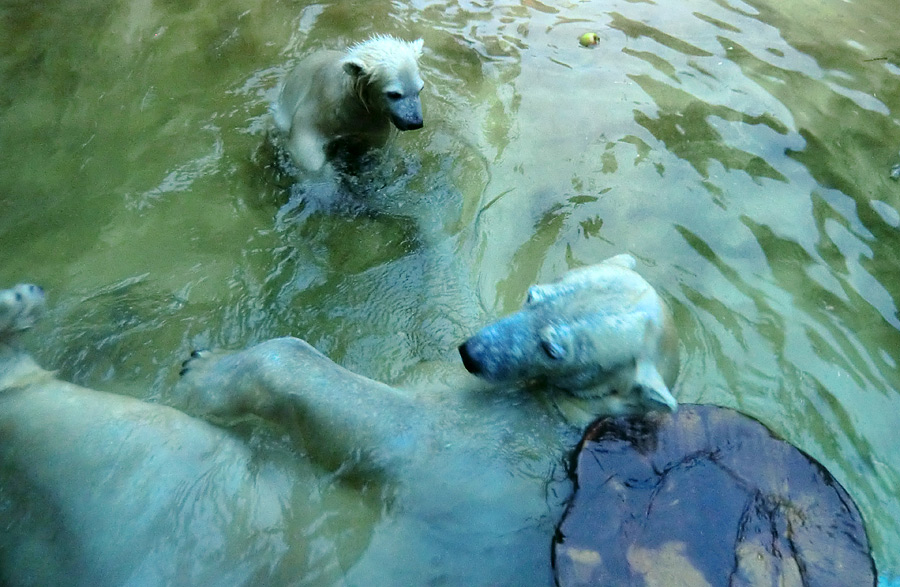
385, 75
20, 307
599, 332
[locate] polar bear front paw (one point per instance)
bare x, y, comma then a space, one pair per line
206, 370
20, 307
195, 361
208, 384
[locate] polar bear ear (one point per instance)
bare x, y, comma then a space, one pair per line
536, 294
353, 67
417, 46
651, 385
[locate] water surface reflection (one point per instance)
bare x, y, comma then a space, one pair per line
739, 149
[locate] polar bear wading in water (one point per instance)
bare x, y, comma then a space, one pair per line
101, 489
355, 94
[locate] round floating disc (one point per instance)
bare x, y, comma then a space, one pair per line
705, 496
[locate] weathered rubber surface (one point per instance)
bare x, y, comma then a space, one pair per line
705, 496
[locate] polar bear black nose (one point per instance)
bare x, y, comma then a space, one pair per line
469, 363
409, 123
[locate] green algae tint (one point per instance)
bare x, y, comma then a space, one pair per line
741, 151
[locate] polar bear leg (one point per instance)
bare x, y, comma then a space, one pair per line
257, 380
307, 148
342, 417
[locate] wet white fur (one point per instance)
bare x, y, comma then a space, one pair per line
332, 95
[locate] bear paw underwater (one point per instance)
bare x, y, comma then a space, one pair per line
357, 94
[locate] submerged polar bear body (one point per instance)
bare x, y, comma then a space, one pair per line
103, 489
467, 481
355, 94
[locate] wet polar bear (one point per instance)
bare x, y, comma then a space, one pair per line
354, 94
470, 481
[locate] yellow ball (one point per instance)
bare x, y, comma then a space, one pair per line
589, 39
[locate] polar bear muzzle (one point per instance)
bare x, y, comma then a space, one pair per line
498, 352
405, 111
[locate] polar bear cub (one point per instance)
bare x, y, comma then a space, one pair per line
354, 94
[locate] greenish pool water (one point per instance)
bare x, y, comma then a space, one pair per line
741, 150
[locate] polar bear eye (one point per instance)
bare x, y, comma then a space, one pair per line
553, 350
393, 95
